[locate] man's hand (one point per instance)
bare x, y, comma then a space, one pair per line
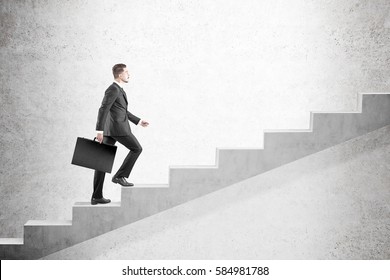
144, 123
99, 137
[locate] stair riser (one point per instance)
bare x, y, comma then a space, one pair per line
88, 216
12, 252
42, 240
139, 203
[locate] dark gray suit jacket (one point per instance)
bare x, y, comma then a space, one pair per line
113, 117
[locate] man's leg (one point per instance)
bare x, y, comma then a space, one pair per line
130, 142
98, 179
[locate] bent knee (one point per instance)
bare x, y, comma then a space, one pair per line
138, 150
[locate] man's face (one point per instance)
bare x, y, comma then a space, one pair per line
124, 76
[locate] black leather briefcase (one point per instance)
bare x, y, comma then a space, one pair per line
91, 154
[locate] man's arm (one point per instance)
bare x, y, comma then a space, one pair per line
135, 120
109, 98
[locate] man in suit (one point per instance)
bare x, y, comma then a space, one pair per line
113, 125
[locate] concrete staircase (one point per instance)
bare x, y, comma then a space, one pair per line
333, 204
327, 129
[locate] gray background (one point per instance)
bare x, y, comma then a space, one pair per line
205, 74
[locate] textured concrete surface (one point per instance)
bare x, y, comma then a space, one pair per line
243, 66
330, 205
43, 237
88, 221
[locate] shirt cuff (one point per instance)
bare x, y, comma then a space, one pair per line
140, 121
98, 131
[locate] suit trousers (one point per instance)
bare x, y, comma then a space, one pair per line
130, 142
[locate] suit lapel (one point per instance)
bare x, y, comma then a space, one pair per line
124, 95
123, 92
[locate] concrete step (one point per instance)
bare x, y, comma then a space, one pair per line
45, 223
136, 186
83, 212
11, 241
153, 200
40, 234
190, 175
41, 237
92, 220
12, 248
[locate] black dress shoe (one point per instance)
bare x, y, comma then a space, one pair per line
122, 181
102, 200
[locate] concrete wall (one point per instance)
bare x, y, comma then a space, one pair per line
205, 74
318, 207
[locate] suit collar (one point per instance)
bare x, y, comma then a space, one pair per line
118, 84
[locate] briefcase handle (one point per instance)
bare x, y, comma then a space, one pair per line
103, 143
